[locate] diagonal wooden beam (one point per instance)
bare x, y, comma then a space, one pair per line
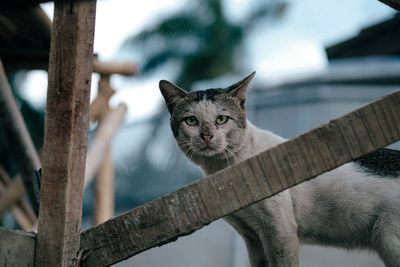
18, 138
21, 211
11, 194
179, 213
65, 136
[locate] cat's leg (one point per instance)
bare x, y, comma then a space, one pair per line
256, 254
386, 236
244, 225
282, 249
279, 232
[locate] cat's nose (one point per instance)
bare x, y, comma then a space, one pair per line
206, 137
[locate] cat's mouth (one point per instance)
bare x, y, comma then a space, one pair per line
208, 150
207, 147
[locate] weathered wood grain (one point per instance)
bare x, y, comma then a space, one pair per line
190, 208
17, 248
66, 127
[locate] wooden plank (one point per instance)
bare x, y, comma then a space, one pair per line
392, 3
188, 209
114, 67
17, 248
18, 137
66, 127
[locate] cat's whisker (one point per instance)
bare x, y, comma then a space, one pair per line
226, 156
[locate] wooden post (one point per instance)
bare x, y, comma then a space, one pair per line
18, 137
66, 127
104, 187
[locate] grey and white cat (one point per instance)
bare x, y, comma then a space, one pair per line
356, 205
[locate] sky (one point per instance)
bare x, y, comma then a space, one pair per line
280, 50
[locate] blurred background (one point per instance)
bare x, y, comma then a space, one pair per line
315, 61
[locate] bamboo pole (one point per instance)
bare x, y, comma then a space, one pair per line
65, 137
104, 190
104, 186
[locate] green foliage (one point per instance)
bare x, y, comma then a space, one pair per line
201, 39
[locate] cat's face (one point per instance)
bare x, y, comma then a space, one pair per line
207, 123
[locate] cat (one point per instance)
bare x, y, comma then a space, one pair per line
356, 205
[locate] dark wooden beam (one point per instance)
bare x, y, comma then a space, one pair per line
196, 205
17, 248
66, 127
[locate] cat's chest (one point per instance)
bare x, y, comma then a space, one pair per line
212, 166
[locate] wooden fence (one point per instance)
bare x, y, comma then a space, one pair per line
59, 241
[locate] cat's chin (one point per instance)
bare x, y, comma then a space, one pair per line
207, 152
211, 153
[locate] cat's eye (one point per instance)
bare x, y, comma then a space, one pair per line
191, 121
221, 119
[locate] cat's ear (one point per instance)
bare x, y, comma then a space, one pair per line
239, 89
171, 94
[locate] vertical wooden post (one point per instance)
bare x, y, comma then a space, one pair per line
104, 189
66, 126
